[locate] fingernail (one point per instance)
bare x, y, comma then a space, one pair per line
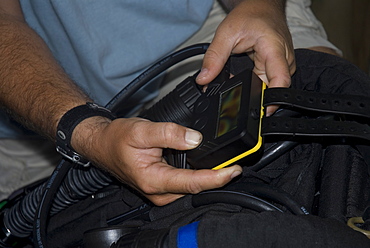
236, 173
203, 73
192, 138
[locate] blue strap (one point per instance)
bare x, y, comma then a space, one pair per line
187, 236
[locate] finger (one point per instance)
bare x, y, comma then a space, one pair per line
158, 199
275, 70
167, 135
271, 109
278, 75
184, 181
274, 64
195, 181
215, 58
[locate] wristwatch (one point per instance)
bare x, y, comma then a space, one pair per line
67, 124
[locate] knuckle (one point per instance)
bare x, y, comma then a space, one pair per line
193, 188
136, 128
170, 132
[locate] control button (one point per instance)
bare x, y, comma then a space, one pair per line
201, 123
202, 106
255, 114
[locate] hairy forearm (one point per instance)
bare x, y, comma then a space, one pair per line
33, 87
230, 4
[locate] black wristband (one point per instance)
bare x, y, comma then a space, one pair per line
67, 124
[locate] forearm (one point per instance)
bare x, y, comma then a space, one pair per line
33, 87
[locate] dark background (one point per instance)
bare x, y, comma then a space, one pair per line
347, 24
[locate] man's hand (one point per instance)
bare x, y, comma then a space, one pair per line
259, 28
131, 149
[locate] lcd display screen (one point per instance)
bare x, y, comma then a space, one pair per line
229, 110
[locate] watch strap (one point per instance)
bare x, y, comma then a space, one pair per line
67, 124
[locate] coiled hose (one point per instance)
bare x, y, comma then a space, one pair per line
77, 185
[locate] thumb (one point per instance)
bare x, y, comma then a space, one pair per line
169, 135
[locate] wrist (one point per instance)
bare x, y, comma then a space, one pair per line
76, 129
86, 136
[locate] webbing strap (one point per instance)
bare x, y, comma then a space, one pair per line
348, 105
316, 101
314, 127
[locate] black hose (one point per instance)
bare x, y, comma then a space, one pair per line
268, 192
233, 197
122, 97
19, 218
79, 183
42, 212
273, 152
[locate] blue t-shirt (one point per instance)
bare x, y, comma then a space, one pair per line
103, 45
